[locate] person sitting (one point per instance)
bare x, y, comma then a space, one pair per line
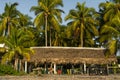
59, 71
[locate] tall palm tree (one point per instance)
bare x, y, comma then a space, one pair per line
9, 17
83, 22
110, 14
48, 15
17, 46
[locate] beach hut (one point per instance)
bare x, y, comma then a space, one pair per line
72, 56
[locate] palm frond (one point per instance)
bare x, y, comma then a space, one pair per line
108, 29
39, 20
7, 57
112, 48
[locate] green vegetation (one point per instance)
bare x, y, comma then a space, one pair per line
48, 16
86, 28
15, 35
9, 70
109, 29
83, 24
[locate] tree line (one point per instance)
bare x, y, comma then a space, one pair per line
86, 27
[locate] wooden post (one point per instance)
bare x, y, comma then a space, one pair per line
55, 68
25, 66
45, 68
84, 67
51, 69
72, 70
51, 66
107, 69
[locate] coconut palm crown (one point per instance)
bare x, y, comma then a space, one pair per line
48, 15
83, 23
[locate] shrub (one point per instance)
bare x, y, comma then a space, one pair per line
9, 70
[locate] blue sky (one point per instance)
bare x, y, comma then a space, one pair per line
25, 5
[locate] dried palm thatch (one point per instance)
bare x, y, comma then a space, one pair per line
71, 55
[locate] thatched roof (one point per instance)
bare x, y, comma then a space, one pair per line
71, 55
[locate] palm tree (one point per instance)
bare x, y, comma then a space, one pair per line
111, 10
48, 15
108, 31
83, 22
17, 46
115, 1
38, 37
9, 18
25, 21
59, 38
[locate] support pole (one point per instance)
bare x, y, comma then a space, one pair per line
55, 68
107, 69
25, 66
46, 68
84, 68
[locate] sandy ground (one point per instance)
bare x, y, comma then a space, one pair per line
61, 77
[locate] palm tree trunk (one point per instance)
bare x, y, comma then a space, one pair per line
20, 65
8, 30
81, 37
46, 30
50, 37
8, 26
16, 64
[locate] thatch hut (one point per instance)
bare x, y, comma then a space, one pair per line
60, 55
72, 55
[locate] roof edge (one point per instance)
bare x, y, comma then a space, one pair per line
70, 48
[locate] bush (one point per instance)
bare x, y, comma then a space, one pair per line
9, 70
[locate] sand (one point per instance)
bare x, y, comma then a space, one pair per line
60, 77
